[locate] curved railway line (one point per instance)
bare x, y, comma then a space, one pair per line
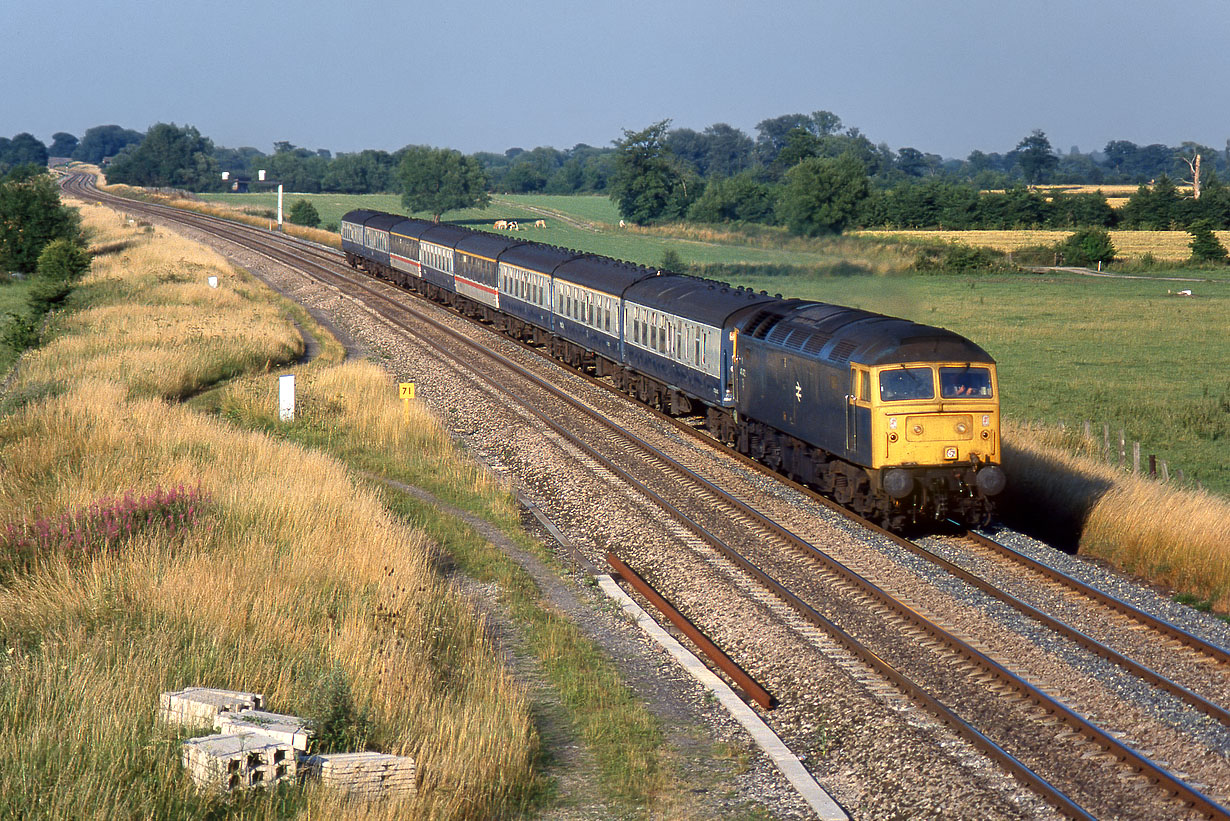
1081, 768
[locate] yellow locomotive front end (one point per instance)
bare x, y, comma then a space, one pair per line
935, 437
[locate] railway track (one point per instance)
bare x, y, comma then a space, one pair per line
932, 666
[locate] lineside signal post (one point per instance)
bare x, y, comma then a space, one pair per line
405, 392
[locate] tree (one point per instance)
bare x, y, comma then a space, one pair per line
1087, 246
1036, 158
104, 141
1205, 245
822, 195
63, 144
648, 184
771, 138
436, 180
169, 156
31, 216
741, 197
303, 212
728, 151
23, 149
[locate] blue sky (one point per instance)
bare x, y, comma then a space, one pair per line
942, 76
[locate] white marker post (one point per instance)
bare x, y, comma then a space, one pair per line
213, 282
286, 398
279, 206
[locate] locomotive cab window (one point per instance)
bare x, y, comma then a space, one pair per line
904, 384
965, 383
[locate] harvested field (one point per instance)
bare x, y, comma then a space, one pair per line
1165, 246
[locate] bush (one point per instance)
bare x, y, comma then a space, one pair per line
303, 212
337, 725
1035, 256
20, 333
1205, 246
1087, 247
956, 257
671, 261
63, 260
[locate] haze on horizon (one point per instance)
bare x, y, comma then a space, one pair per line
946, 77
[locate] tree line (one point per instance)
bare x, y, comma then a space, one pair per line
806, 171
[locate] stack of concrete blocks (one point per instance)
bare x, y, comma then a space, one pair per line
225, 763
290, 730
201, 706
366, 776
254, 748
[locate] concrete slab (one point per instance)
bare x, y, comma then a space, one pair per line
200, 706
289, 729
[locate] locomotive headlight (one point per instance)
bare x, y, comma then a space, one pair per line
892, 437
961, 427
986, 434
986, 420
918, 430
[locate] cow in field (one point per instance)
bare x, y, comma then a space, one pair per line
501, 224
540, 223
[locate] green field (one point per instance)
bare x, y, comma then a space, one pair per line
591, 223
1117, 352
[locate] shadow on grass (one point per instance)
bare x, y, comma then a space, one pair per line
1048, 501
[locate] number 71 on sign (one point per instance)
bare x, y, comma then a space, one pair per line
405, 390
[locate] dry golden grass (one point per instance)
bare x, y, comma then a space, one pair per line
1170, 535
179, 336
229, 212
282, 577
1168, 246
292, 568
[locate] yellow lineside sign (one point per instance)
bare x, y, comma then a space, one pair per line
405, 390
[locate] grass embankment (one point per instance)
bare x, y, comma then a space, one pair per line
1176, 537
279, 569
258, 217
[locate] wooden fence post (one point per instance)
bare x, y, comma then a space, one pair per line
1122, 447
1136, 458
1165, 471
1152, 466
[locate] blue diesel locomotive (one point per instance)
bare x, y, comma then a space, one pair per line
896, 420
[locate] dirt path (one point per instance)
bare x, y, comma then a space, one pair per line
564, 217
1089, 272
